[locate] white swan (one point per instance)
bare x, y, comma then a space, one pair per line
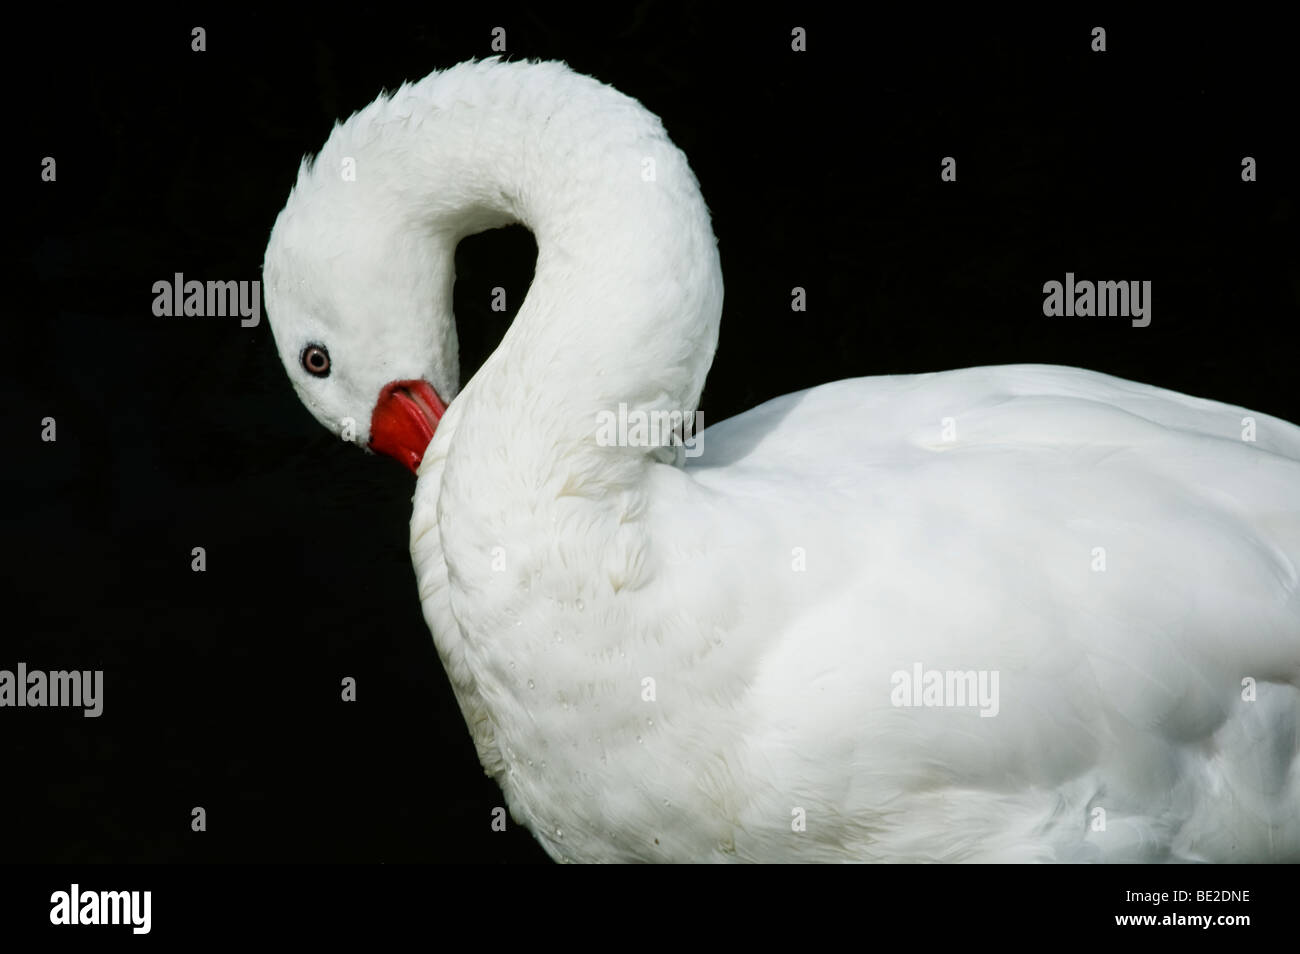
714, 658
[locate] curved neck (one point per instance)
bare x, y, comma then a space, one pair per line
627, 293
532, 536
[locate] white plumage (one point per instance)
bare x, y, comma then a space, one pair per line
703, 659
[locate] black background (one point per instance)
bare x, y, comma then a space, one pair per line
222, 689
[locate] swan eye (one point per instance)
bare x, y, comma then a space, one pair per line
316, 360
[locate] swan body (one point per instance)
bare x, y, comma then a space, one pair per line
710, 659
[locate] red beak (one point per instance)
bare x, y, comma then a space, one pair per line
405, 417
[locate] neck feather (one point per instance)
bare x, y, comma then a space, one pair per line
627, 294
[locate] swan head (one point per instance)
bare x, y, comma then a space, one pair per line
361, 320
